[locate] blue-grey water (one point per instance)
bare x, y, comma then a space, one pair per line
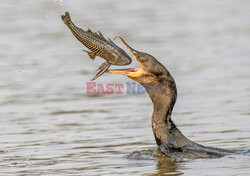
50, 126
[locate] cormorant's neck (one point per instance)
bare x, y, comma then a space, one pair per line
169, 138
165, 131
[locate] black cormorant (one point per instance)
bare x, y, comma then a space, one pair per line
168, 137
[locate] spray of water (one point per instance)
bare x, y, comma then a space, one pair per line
61, 5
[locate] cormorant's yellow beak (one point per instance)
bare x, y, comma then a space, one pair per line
131, 72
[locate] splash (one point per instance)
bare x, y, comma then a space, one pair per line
61, 4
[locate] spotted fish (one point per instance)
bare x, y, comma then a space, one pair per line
98, 46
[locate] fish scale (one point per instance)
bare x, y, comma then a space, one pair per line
90, 41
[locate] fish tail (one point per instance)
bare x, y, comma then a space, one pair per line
66, 18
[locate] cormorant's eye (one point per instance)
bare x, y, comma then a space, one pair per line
140, 59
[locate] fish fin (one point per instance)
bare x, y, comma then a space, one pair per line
91, 54
89, 30
102, 69
100, 34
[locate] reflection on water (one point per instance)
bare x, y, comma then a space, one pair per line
49, 126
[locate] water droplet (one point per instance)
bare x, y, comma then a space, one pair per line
60, 3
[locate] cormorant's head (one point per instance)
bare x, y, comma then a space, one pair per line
150, 70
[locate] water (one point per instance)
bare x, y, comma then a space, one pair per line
50, 126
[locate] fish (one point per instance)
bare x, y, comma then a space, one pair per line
98, 45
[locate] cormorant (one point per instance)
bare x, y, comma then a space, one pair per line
170, 140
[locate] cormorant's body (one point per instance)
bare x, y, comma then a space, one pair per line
168, 137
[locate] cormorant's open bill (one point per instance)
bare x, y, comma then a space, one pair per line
131, 72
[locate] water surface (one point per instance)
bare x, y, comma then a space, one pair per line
50, 126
